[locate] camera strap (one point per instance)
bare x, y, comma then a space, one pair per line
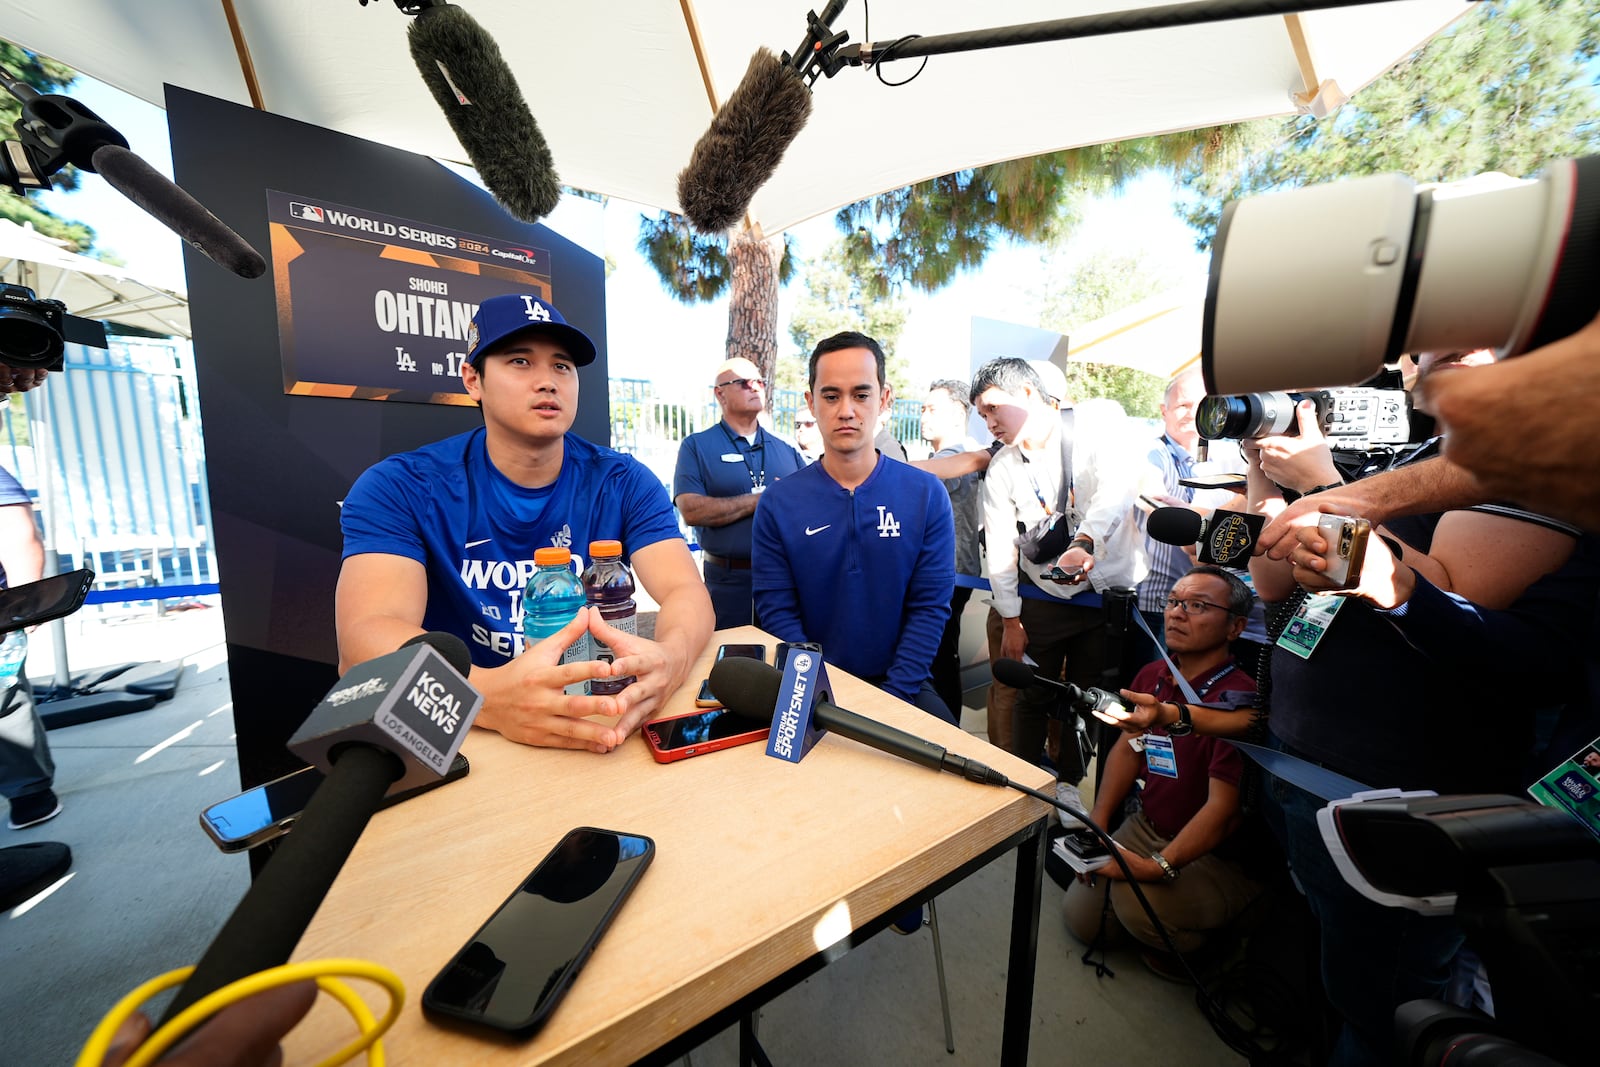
1317, 780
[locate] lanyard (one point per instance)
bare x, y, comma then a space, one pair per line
757, 480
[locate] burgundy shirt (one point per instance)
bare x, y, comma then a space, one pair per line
1169, 803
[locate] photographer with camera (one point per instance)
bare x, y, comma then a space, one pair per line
1414, 621
1190, 805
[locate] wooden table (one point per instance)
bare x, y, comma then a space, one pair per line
760, 866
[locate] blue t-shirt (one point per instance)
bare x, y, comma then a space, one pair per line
474, 530
867, 574
718, 462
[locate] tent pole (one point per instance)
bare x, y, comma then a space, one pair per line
247, 66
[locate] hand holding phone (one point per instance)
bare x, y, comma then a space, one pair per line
1346, 538
1064, 575
514, 971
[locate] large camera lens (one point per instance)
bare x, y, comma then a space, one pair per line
27, 336
1234, 418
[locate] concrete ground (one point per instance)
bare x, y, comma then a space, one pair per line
148, 891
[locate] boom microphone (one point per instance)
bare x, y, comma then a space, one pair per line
747, 139
391, 721
1226, 538
177, 210
749, 687
471, 82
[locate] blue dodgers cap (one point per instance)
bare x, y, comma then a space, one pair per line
501, 316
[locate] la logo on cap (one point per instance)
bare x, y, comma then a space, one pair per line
535, 309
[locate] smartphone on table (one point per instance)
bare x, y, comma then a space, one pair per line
706, 698
698, 732
514, 971
268, 811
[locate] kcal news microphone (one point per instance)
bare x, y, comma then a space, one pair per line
1226, 538
802, 710
389, 724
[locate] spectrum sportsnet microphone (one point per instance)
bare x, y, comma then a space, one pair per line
1225, 539
802, 712
472, 84
391, 722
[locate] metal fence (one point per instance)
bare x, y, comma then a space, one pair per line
110, 451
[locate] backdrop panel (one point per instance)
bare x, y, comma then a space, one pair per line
279, 461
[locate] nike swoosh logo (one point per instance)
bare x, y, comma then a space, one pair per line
819, 529
475, 544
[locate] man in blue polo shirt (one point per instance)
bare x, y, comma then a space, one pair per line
722, 472
443, 538
857, 552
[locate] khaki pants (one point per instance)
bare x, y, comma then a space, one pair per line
1208, 894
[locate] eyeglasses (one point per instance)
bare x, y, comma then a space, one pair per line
1195, 607
739, 383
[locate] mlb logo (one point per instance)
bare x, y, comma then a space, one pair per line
308, 212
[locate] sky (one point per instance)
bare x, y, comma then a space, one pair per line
644, 323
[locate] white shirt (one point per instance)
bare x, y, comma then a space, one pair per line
1107, 463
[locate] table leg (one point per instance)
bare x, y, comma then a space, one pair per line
1024, 948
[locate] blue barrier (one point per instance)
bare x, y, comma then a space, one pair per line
150, 592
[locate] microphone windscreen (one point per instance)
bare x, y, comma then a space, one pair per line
1013, 672
746, 687
1174, 526
452, 648
177, 210
747, 138
471, 82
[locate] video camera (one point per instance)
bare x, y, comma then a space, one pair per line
1322, 286
35, 332
1523, 882
1355, 418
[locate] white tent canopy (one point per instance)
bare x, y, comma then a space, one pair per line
89, 287
619, 92
1159, 335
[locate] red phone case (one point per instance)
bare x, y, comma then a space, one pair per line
653, 731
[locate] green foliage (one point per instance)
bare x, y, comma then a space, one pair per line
923, 235
692, 266
837, 299
1080, 293
47, 76
1510, 87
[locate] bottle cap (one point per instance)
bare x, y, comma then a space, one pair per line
546, 557
605, 548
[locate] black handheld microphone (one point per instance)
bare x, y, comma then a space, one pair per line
475, 88
177, 210
1019, 675
749, 687
1226, 538
391, 721
56, 130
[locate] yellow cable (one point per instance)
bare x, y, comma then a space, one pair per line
325, 972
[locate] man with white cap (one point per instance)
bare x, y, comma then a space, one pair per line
443, 538
722, 472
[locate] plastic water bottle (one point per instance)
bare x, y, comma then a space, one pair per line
553, 596
13, 653
608, 585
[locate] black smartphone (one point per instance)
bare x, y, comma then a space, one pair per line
706, 698
1235, 482
268, 811
48, 598
516, 968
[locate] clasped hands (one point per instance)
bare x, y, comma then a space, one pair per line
526, 702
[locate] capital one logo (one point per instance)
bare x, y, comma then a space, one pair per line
535, 310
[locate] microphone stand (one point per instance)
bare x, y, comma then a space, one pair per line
914, 46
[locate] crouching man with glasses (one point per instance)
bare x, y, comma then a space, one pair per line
1178, 840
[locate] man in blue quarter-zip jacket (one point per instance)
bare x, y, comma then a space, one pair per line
857, 551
